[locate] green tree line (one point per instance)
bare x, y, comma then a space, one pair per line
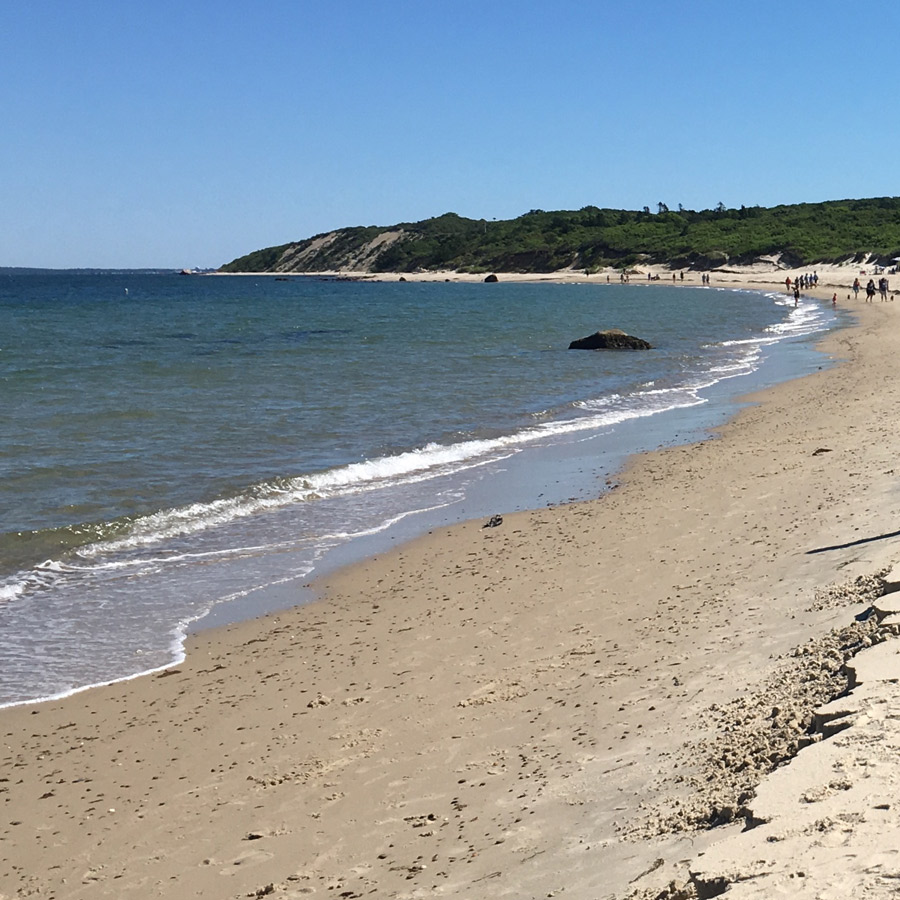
591, 238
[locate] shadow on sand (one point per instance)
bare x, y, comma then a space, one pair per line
868, 540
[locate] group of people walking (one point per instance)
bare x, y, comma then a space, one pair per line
801, 282
871, 289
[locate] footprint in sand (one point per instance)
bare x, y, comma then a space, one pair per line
247, 858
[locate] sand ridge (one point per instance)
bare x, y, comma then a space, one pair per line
485, 712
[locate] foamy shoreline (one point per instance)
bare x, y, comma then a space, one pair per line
491, 711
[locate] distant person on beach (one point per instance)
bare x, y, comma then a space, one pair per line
870, 291
787, 284
796, 294
883, 288
855, 288
834, 299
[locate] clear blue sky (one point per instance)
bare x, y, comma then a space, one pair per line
188, 133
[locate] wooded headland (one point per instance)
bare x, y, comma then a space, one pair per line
591, 239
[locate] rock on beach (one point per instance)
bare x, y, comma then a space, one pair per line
611, 339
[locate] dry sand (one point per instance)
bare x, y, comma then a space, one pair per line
529, 710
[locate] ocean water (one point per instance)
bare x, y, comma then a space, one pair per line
177, 451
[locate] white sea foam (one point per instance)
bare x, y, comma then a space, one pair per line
40, 577
385, 524
256, 588
12, 589
178, 657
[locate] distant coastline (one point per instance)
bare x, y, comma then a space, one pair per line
32, 270
833, 279
593, 240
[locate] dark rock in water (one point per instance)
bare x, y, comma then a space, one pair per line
402, 278
491, 279
611, 339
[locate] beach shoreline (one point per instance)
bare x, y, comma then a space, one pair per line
543, 457
481, 711
762, 276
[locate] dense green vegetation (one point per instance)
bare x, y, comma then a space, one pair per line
591, 238
258, 261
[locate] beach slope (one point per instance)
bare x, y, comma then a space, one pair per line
529, 710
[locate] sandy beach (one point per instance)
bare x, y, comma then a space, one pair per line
594, 700
766, 274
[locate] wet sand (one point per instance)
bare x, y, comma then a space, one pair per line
522, 710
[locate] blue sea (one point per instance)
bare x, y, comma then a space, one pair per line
177, 452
